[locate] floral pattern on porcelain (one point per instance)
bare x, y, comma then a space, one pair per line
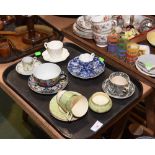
88, 70
48, 90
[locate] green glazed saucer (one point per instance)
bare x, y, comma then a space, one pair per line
58, 113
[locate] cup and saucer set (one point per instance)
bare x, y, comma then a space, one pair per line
86, 66
27, 65
55, 52
47, 78
118, 85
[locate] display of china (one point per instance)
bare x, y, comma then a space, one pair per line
119, 82
86, 66
54, 51
47, 74
100, 102
118, 85
27, 65
102, 24
151, 37
68, 105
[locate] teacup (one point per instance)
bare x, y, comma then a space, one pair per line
54, 48
47, 74
100, 39
119, 83
102, 24
28, 63
86, 59
72, 103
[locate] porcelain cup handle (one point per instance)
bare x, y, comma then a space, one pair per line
126, 89
62, 76
92, 55
45, 44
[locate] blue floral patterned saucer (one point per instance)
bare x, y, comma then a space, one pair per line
48, 90
86, 70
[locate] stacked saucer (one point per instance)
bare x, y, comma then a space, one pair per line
82, 28
146, 64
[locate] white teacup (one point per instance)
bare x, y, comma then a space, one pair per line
28, 63
54, 48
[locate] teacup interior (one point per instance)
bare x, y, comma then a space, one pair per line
47, 71
119, 80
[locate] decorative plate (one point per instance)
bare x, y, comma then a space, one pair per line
145, 59
91, 70
81, 22
48, 90
47, 57
106, 85
58, 113
20, 70
82, 34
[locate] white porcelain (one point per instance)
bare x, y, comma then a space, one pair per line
20, 69
65, 54
28, 63
54, 48
151, 37
86, 57
47, 74
100, 39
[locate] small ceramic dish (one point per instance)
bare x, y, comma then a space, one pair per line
100, 102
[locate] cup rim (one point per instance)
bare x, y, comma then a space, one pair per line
128, 78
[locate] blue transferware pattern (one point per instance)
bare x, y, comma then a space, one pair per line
48, 90
86, 70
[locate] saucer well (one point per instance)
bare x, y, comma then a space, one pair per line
48, 90
58, 113
85, 72
20, 70
63, 57
106, 85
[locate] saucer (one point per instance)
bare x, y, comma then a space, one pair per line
81, 22
63, 57
20, 70
105, 88
48, 90
146, 58
58, 113
85, 71
82, 34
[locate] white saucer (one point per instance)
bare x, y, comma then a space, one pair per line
20, 70
63, 57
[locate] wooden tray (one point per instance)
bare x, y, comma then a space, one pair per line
91, 46
81, 127
19, 48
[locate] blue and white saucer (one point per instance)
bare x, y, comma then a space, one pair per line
33, 85
85, 71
